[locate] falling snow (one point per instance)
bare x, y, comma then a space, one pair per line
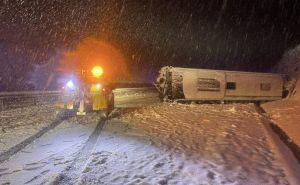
208, 34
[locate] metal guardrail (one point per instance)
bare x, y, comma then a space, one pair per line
10, 100
136, 89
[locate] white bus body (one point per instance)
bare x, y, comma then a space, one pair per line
205, 84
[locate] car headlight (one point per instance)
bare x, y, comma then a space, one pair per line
98, 86
70, 84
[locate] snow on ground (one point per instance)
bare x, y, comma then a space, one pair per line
187, 144
161, 143
286, 114
16, 125
50, 154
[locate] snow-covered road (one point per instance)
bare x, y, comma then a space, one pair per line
157, 143
50, 154
23, 122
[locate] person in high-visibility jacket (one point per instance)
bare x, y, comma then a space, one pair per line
98, 97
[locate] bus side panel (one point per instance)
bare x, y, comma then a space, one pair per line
204, 84
253, 85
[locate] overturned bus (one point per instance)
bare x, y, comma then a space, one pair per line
175, 83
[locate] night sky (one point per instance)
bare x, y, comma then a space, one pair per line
249, 35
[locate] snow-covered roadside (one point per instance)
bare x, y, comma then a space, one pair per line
44, 159
285, 114
187, 144
16, 125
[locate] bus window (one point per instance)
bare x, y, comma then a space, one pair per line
231, 85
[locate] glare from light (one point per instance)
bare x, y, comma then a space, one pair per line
70, 84
98, 86
97, 71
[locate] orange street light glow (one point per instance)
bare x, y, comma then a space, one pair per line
97, 71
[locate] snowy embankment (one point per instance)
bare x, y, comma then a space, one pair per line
286, 113
188, 144
17, 125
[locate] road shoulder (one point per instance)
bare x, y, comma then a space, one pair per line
285, 121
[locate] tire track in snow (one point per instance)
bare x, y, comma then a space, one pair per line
13, 150
72, 173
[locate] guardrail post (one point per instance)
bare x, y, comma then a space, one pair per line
34, 101
1, 104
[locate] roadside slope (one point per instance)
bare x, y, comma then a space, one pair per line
186, 144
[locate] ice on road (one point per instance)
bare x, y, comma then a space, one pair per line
188, 144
